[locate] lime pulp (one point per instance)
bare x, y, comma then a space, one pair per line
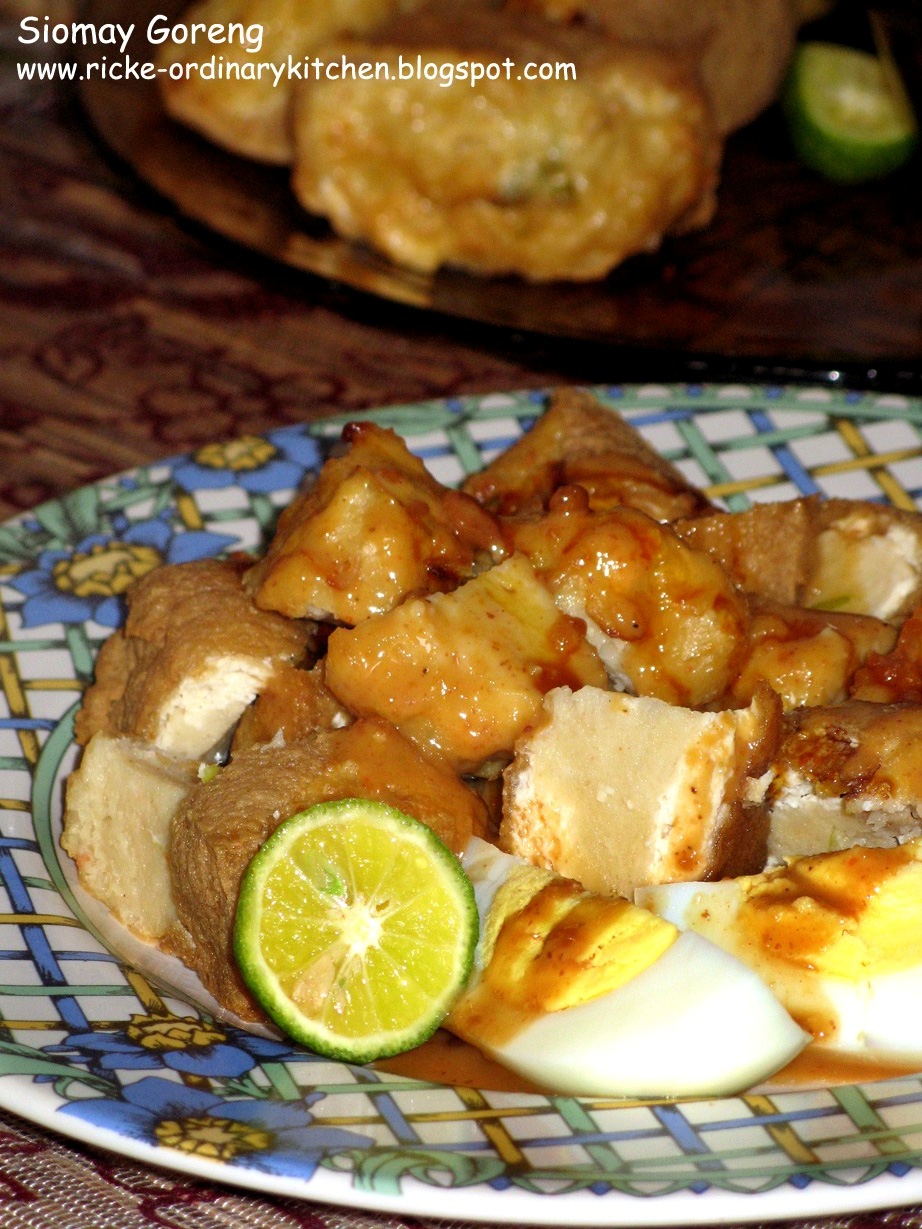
355, 929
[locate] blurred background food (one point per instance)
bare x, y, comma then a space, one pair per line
547, 179
253, 117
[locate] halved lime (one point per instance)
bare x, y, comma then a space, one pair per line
848, 117
355, 929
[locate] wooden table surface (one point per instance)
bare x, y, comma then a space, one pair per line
124, 337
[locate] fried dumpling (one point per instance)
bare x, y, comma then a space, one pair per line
558, 178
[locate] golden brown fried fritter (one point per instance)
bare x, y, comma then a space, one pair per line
578, 440
374, 528
809, 657
250, 114
846, 775
665, 618
545, 179
462, 674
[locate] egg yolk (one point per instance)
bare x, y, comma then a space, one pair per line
561, 947
848, 914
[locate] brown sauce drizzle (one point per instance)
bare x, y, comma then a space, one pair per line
446, 1059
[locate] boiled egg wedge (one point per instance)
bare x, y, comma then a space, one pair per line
589, 994
837, 937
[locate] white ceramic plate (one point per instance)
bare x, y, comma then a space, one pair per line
104, 1050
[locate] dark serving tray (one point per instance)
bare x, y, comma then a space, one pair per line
794, 273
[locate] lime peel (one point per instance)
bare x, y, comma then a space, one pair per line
847, 117
355, 929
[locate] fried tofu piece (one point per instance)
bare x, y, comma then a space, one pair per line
245, 109
765, 548
809, 657
375, 528
846, 775
741, 47
836, 554
193, 653
119, 805
546, 179
579, 441
462, 674
222, 824
293, 705
866, 559
664, 617
619, 791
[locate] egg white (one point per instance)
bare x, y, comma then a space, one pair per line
873, 1014
695, 1023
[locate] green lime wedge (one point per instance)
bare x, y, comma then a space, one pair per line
847, 114
355, 929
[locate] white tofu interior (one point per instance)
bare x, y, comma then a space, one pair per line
863, 572
120, 803
203, 707
618, 791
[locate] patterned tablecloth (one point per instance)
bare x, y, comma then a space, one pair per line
124, 339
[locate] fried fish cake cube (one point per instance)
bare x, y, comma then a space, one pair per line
742, 47
578, 440
463, 673
846, 775
546, 179
835, 554
374, 528
245, 109
809, 657
193, 653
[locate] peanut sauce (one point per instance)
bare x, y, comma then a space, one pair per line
446, 1059
817, 1066
798, 936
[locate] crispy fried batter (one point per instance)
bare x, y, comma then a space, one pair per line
462, 674
846, 775
665, 618
547, 179
224, 822
193, 653
809, 657
578, 440
375, 528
